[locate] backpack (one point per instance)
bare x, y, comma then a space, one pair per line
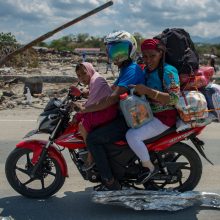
180, 51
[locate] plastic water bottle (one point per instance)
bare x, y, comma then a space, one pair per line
135, 109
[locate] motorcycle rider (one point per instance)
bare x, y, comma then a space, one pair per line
121, 47
98, 89
162, 89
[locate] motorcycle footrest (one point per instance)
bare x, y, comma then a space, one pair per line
164, 177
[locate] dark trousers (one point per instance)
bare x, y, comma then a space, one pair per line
99, 138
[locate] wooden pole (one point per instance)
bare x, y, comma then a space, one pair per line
51, 33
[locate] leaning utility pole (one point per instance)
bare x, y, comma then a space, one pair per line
51, 33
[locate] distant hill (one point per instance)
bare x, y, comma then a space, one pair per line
197, 39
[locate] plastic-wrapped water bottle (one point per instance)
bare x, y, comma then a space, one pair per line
135, 109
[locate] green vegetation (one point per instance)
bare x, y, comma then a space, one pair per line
207, 48
8, 44
70, 42
7, 38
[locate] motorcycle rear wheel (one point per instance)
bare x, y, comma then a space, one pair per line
188, 175
47, 181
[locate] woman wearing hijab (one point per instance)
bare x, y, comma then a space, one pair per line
162, 89
98, 89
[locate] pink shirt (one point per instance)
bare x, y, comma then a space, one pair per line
98, 86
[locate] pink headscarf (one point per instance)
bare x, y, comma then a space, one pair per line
149, 44
98, 86
89, 68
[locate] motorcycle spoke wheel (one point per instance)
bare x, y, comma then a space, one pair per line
188, 169
47, 180
22, 170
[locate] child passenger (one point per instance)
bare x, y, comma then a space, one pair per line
98, 88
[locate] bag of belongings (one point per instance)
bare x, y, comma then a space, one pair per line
192, 106
181, 125
193, 111
197, 79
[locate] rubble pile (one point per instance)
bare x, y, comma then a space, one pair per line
52, 65
12, 95
28, 58
52, 62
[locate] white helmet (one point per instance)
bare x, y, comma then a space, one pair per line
120, 45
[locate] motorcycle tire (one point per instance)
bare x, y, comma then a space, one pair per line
188, 155
46, 182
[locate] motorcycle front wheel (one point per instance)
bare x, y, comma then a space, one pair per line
182, 164
47, 180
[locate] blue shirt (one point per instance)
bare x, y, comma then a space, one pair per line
170, 83
131, 74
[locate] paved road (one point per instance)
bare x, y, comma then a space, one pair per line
73, 200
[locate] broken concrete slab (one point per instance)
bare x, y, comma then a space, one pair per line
46, 79
35, 85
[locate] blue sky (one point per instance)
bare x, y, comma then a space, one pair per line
28, 19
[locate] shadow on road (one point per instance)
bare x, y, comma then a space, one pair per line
78, 205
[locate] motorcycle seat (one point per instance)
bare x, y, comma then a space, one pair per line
168, 131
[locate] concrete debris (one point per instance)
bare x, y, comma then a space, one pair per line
50, 78
14, 97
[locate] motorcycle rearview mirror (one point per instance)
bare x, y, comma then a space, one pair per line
74, 91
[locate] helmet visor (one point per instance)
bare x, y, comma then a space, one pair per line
118, 51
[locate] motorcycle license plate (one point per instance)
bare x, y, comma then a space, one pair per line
31, 133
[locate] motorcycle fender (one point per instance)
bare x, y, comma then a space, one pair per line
37, 145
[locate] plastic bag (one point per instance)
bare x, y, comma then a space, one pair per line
191, 106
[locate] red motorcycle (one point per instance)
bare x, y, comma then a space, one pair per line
37, 168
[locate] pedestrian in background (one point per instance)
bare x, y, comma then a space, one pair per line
84, 56
109, 68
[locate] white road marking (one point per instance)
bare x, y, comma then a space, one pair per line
5, 120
